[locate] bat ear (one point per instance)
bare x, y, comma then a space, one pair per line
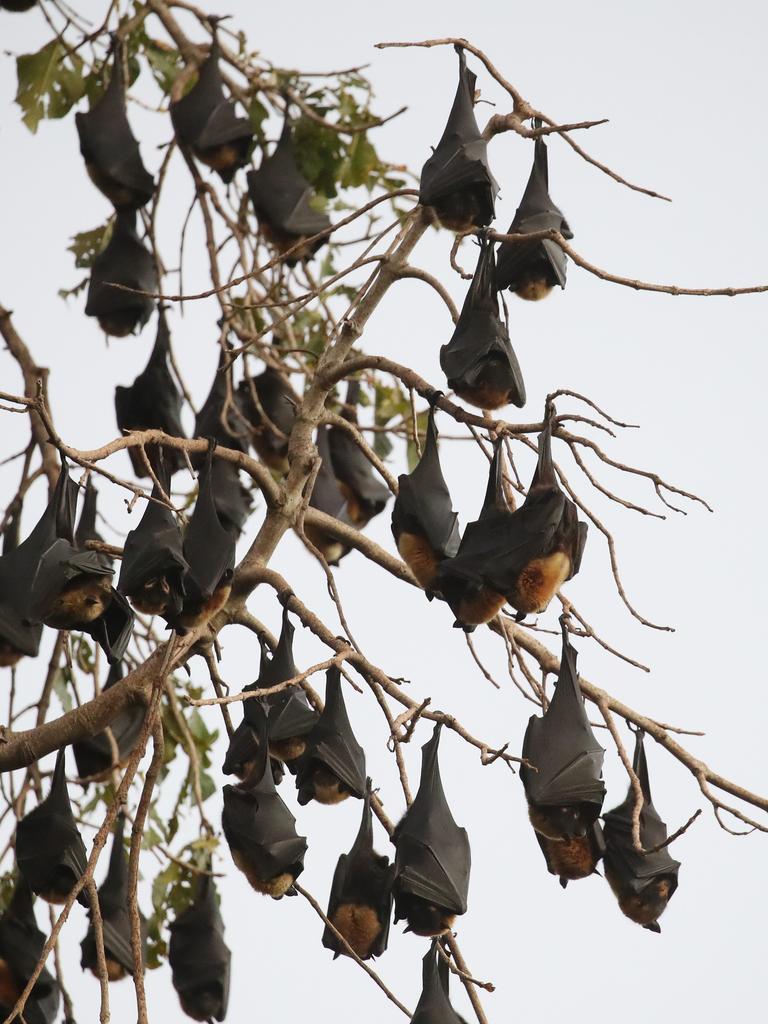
653, 927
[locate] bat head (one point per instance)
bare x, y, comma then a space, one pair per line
568, 821
424, 918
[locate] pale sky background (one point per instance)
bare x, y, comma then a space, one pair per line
683, 85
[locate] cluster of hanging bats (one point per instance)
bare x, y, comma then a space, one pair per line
520, 557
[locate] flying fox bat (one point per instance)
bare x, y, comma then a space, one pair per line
17, 637
115, 916
461, 580
73, 585
456, 181
153, 567
332, 766
125, 261
522, 557
21, 944
366, 494
205, 120
199, 957
643, 883
94, 756
231, 498
564, 788
327, 497
20, 566
110, 151
276, 408
531, 270
221, 417
281, 198
434, 1005
479, 360
424, 525
260, 830
209, 551
49, 851
360, 904
290, 715
152, 402
71, 588
433, 858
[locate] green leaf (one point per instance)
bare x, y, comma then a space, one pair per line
164, 62
200, 733
82, 653
162, 883
207, 785
382, 446
360, 163
86, 245
257, 114
7, 886
61, 681
68, 293
319, 154
389, 402
50, 82
150, 839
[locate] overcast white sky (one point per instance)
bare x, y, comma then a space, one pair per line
683, 85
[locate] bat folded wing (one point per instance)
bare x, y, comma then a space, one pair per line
455, 166
223, 126
440, 879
